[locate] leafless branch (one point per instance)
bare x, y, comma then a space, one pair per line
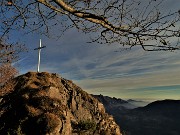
127, 22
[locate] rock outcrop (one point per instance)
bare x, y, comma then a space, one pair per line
44, 103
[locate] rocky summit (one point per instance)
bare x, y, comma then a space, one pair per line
47, 104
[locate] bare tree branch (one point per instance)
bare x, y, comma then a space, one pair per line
8, 54
126, 22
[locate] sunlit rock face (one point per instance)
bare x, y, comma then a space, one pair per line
44, 103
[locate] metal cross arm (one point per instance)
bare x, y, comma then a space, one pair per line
39, 54
40, 48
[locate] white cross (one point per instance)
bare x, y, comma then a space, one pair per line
39, 52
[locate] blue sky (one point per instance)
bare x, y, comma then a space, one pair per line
99, 69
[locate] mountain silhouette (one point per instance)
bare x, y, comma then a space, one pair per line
157, 118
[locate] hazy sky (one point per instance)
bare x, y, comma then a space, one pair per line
99, 69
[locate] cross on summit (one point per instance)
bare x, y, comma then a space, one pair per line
39, 54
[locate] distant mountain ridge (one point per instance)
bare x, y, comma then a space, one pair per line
110, 102
164, 104
156, 118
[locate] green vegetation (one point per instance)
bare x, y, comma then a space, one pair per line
85, 126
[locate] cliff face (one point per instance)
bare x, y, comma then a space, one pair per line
43, 103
